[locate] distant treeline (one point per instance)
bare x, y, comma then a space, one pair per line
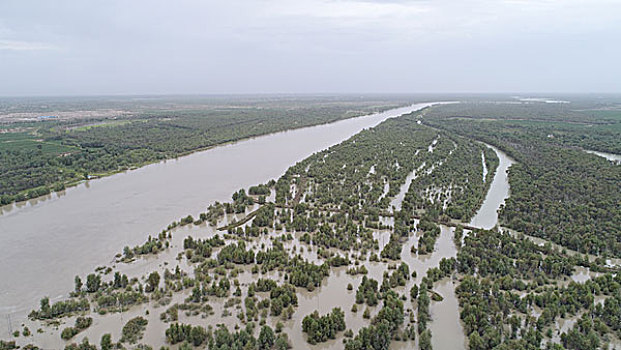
47, 156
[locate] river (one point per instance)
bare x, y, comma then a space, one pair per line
446, 327
615, 158
45, 243
487, 216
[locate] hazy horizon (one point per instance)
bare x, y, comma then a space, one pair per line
272, 47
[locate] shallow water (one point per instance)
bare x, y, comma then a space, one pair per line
398, 199
45, 243
616, 158
445, 325
446, 328
484, 166
487, 216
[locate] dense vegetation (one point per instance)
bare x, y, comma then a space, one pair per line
355, 174
383, 326
134, 329
517, 308
321, 328
81, 323
558, 192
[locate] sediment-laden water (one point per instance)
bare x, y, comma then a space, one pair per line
44, 243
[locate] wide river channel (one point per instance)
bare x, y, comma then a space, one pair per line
45, 243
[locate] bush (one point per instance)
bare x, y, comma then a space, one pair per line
133, 330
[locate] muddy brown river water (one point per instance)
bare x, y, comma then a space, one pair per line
44, 243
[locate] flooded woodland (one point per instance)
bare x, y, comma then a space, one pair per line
387, 227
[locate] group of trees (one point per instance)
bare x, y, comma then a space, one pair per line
153, 281
424, 317
240, 201
119, 300
214, 212
261, 190
133, 330
222, 339
430, 233
306, 274
177, 333
484, 322
236, 253
367, 292
494, 253
264, 216
81, 323
8, 345
451, 183
379, 334
321, 328
151, 246
392, 249
202, 248
59, 308
399, 277
272, 258
494, 315
84, 345
283, 298
354, 174
340, 231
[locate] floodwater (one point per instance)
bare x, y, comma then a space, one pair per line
487, 216
446, 328
616, 158
45, 243
93, 238
398, 200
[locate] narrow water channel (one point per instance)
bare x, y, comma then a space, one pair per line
487, 216
446, 328
616, 158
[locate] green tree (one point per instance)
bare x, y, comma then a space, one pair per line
78, 284
424, 342
106, 341
153, 281
93, 282
266, 338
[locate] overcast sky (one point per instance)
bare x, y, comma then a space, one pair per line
308, 46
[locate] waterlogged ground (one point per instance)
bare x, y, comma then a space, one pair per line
73, 232
332, 293
445, 325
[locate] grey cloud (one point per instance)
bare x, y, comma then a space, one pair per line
157, 46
